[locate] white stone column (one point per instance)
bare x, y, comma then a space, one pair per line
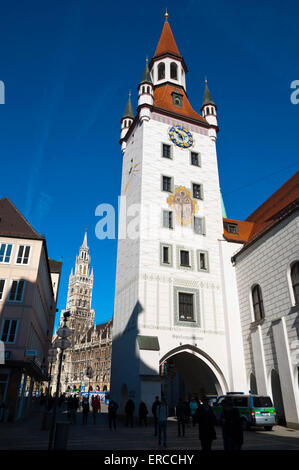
286, 375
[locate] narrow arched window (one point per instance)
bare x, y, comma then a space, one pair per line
161, 71
295, 281
148, 89
257, 303
173, 71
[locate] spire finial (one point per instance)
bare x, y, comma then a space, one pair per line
206, 80
129, 93
146, 60
166, 16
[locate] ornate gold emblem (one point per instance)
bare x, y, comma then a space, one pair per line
183, 204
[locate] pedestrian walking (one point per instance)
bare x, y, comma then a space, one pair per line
142, 412
96, 408
154, 413
129, 410
181, 415
193, 407
85, 410
162, 413
112, 410
232, 429
206, 420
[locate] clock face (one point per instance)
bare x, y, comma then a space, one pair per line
180, 136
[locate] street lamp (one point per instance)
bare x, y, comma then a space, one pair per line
62, 342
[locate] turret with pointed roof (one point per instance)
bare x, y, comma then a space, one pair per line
209, 111
145, 94
126, 121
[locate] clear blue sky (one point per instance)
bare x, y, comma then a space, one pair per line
67, 67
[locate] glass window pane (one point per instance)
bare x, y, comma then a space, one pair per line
20, 254
12, 331
26, 255
13, 290
2, 250
7, 254
20, 290
2, 282
5, 330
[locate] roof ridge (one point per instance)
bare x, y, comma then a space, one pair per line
22, 217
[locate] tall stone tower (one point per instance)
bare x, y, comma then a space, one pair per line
176, 305
80, 294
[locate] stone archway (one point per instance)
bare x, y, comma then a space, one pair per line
191, 372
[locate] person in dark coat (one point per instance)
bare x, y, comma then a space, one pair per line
112, 410
232, 429
85, 410
143, 412
206, 420
181, 412
154, 413
129, 410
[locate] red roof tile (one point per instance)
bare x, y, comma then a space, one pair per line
282, 202
163, 99
166, 42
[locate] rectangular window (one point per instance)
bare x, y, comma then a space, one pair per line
203, 263
197, 190
185, 258
9, 331
167, 219
186, 312
167, 184
195, 159
16, 291
5, 252
231, 228
166, 151
166, 254
23, 254
199, 225
2, 284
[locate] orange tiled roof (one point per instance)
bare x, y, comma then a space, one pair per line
274, 207
163, 100
166, 42
267, 214
244, 231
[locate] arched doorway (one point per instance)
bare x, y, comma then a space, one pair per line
277, 397
252, 384
188, 371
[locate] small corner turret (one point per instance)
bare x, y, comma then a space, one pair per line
145, 94
209, 111
126, 121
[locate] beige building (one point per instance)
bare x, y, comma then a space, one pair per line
29, 283
87, 362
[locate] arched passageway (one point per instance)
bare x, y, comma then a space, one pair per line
188, 372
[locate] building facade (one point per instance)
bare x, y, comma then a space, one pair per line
87, 362
267, 270
176, 296
29, 283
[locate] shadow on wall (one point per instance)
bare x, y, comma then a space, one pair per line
126, 364
24, 329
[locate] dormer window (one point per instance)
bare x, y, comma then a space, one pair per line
177, 98
173, 71
231, 228
161, 71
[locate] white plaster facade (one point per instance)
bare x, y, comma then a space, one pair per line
146, 290
271, 344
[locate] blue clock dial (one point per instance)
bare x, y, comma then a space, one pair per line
180, 136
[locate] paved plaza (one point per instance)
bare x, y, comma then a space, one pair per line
26, 435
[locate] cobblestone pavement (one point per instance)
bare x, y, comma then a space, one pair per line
26, 435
